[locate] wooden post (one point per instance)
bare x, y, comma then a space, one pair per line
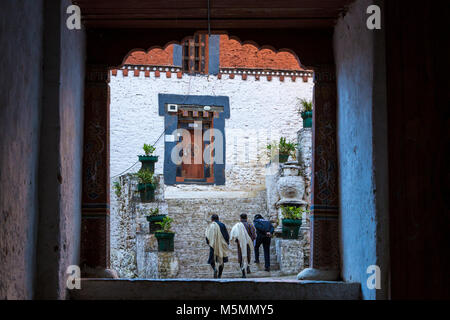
324, 256
95, 200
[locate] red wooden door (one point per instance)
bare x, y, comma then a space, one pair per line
193, 152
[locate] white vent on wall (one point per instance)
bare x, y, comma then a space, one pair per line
172, 108
206, 108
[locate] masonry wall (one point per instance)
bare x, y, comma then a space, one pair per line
362, 152
21, 24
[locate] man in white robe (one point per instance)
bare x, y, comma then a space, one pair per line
242, 238
218, 239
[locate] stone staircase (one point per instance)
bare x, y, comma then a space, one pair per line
192, 216
189, 259
232, 271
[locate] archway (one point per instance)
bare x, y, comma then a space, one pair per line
324, 215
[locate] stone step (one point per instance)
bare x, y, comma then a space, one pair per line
260, 266
238, 275
255, 274
232, 271
216, 289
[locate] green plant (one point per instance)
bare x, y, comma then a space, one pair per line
146, 176
292, 212
117, 188
153, 212
286, 147
166, 224
305, 105
283, 147
148, 149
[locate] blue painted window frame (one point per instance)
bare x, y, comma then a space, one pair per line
171, 124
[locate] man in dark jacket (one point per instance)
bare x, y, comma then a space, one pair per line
264, 232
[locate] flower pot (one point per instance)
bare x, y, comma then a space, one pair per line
307, 119
153, 227
282, 158
290, 228
165, 241
148, 162
147, 192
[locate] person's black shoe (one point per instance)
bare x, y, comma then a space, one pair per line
243, 274
267, 269
220, 272
215, 273
256, 261
248, 269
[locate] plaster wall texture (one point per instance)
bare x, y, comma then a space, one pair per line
21, 29
361, 154
71, 143
261, 112
60, 152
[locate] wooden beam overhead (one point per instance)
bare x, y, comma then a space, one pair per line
223, 14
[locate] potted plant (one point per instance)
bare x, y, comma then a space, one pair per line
165, 235
148, 160
284, 149
305, 112
147, 185
153, 217
292, 221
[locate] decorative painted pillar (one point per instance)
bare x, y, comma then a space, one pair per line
324, 255
95, 200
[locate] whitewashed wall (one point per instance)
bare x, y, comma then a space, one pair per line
260, 111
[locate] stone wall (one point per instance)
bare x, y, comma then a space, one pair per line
290, 255
134, 250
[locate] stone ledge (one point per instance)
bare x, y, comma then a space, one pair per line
232, 289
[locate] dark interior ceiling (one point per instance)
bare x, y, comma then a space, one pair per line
224, 14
